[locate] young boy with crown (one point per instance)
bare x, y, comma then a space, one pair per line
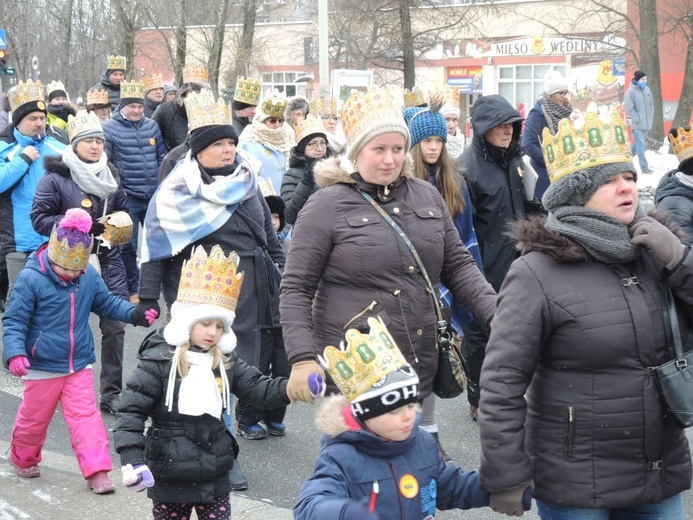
48, 343
185, 374
375, 461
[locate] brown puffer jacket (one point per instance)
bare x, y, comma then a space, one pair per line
347, 263
580, 337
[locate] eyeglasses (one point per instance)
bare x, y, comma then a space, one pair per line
321, 143
275, 120
329, 118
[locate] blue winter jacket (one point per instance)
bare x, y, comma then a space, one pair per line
136, 150
412, 477
18, 181
532, 136
273, 162
47, 320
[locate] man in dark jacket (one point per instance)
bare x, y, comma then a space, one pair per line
153, 93
135, 147
111, 78
490, 166
246, 96
640, 109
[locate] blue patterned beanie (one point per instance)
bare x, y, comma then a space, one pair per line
425, 122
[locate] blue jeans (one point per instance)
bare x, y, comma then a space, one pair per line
670, 509
137, 209
638, 147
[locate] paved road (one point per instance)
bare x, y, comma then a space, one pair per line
275, 467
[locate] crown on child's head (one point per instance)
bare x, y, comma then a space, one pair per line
202, 110
247, 91
196, 74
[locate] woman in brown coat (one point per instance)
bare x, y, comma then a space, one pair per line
346, 263
569, 401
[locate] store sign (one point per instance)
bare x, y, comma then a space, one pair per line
468, 79
533, 46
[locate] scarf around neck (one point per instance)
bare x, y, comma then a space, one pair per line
603, 237
280, 139
92, 178
554, 112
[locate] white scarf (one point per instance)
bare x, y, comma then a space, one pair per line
199, 393
92, 178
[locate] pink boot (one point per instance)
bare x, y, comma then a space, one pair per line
30, 472
100, 484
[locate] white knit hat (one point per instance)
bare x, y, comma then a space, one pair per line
185, 315
450, 109
554, 82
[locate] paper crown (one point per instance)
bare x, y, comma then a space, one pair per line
70, 243
116, 63
211, 280
597, 142
25, 93
452, 94
414, 98
118, 229
54, 85
196, 74
683, 142
266, 187
97, 97
310, 125
274, 104
82, 122
323, 107
152, 81
132, 90
202, 110
247, 91
365, 110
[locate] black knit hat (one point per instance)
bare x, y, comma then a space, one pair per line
27, 108
56, 93
276, 205
639, 75
202, 137
239, 105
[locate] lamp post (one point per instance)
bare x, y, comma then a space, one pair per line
324, 52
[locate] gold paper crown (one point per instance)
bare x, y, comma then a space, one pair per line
153, 81
132, 90
266, 187
118, 229
363, 110
211, 280
82, 122
323, 107
25, 93
202, 110
196, 74
55, 85
596, 143
310, 125
116, 63
683, 143
97, 97
274, 104
365, 360
247, 91
414, 98
452, 95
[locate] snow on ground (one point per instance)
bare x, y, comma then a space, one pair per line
661, 161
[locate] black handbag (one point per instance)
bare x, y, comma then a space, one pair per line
675, 377
450, 379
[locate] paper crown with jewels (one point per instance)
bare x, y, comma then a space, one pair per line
596, 142
274, 104
196, 74
70, 243
25, 93
202, 110
414, 97
132, 90
683, 142
310, 125
452, 94
247, 91
97, 97
323, 107
152, 81
117, 229
116, 63
83, 122
53, 86
371, 371
211, 279
265, 187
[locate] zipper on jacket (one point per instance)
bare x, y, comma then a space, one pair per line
34, 348
72, 332
364, 311
570, 433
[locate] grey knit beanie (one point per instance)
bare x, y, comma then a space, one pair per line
576, 188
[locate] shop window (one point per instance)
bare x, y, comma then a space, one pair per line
524, 83
283, 82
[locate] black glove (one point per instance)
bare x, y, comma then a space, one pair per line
659, 239
138, 316
97, 228
513, 502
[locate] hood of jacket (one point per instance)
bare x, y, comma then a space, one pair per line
155, 348
107, 83
670, 186
338, 170
489, 112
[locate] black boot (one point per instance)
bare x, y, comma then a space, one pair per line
441, 451
237, 478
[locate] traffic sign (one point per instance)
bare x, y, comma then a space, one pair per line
3, 42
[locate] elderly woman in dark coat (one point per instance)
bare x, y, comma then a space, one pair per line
81, 178
569, 402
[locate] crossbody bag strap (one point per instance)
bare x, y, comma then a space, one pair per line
673, 319
442, 324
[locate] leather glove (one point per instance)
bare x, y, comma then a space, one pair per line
298, 388
513, 502
659, 239
97, 228
18, 366
137, 478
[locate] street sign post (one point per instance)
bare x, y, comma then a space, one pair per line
3, 41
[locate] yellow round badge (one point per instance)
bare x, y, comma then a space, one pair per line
408, 486
86, 203
152, 141
41, 105
267, 153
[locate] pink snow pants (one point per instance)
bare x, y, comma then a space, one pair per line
75, 393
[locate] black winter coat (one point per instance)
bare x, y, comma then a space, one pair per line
189, 457
677, 198
173, 123
298, 183
495, 186
113, 90
56, 193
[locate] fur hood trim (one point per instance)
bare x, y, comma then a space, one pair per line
329, 419
531, 234
338, 170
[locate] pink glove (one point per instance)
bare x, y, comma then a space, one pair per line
19, 365
151, 315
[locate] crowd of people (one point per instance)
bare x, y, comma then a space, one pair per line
301, 253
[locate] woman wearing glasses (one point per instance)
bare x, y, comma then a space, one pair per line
269, 139
552, 106
326, 110
299, 181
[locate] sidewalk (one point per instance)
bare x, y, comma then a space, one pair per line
60, 493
